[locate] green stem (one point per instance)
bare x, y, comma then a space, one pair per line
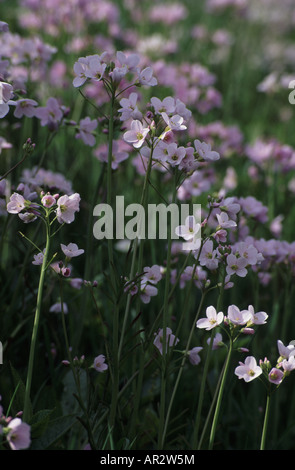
26, 415
201, 393
220, 395
181, 369
115, 387
265, 423
161, 434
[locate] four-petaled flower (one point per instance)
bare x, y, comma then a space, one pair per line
137, 135
213, 319
249, 370
71, 250
99, 363
66, 208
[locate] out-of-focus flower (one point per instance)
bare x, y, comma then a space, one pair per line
145, 77
152, 274
51, 114
171, 339
19, 434
224, 221
203, 150
217, 341
4, 144
58, 307
6, 93
25, 107
249, 370
85, 132
193, 355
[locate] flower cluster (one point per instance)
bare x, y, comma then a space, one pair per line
275, 374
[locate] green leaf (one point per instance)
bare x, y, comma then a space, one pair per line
54, 431
39, 423
19, 396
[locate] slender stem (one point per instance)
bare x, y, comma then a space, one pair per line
201, 393
265, 423
181, 368
220, 395
161, 433
26, 414
115, 387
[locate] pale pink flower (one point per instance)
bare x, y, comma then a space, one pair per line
285, 351
48, 200
137, 135
175, 154
193, 355
237, 316
275, 376
71, 250
67, 206
167, 105
38, 258
189, 230
86, 129
217, 341
224, 221
80, 68
145, 77
288, 364
152, 274
258, 318
147, 291
59, 307
51, 114
174, 123
6, 93
99, 363
213, 319
236, 265
4, 144
130, 62
25, 107
204, 151
208, 256
171, 339
16, 203
19, 435
249, 370
129, 108
95, 69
